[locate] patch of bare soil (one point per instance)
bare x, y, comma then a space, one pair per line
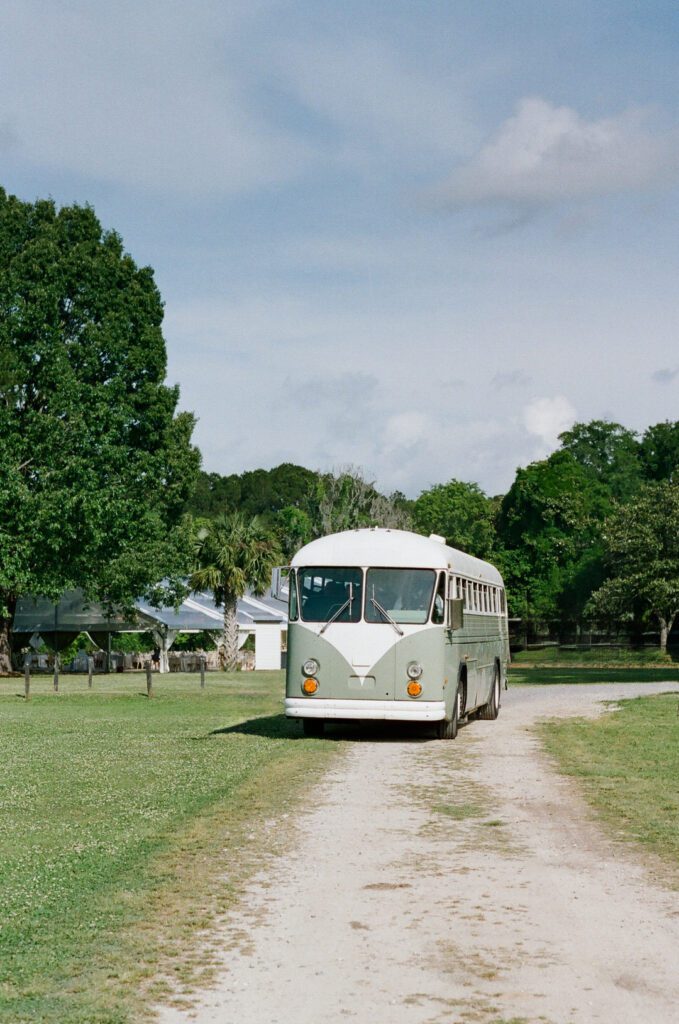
460, 882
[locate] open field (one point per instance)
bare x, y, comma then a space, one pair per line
628, 765
117, 815
598, 656
527, 675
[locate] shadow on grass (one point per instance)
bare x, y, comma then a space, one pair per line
278, 727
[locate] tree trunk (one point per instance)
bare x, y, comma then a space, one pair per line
230, 634
6, 621
665, 630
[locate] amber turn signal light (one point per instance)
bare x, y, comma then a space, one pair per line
310, 685
414, 688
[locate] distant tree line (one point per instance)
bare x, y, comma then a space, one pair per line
297, 504
589, 533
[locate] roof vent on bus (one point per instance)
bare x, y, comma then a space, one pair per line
435, 536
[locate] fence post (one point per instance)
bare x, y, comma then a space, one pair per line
90, 670
149, 680
27, 676
202, 671
56, 672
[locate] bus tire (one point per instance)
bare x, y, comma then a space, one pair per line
447, 729
491, 710
313, 726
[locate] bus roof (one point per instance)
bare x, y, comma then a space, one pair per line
378, 547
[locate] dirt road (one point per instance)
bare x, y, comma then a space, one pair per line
457, 882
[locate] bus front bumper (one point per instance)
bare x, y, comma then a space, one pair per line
375, 710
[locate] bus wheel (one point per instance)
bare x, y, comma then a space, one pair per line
447, 730
313, 726
491, 710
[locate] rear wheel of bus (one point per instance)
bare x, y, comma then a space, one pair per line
491, 710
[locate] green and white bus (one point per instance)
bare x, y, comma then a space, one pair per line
389, 625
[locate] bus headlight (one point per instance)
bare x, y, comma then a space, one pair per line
310, 685
310, 667
414, 688
414, 670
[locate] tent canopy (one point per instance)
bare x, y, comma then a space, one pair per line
76, 614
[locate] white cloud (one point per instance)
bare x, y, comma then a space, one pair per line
546, 418
544, 153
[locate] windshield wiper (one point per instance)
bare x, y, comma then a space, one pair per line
347, 604
387, 616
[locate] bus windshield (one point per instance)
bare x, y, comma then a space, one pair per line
324, 590
404, 594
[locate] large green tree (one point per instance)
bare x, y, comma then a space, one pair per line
609, 453
549, 547
461, 513
660, 451
95, 462
233, 554
642, 545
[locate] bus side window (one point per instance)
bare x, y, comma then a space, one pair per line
438, 613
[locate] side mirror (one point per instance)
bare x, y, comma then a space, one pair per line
456, 613
280, 587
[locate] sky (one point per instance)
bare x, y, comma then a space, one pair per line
422, 237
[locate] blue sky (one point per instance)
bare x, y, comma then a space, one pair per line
419, 237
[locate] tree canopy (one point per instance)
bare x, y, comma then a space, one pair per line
642, 547
608, 452
659, 451
95, 461
545, 533
461, 513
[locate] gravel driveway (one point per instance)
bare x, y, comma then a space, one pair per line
453, 882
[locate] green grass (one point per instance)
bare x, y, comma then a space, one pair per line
610, 657
460, 812
628, 764
541, 676
126, 825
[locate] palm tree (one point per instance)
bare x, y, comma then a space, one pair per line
233, 554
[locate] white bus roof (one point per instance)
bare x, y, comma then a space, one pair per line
380, 547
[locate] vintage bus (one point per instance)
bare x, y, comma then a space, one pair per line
389, 625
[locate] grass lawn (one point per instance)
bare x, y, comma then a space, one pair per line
603, 656
127, 825
628, 764
540, 675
